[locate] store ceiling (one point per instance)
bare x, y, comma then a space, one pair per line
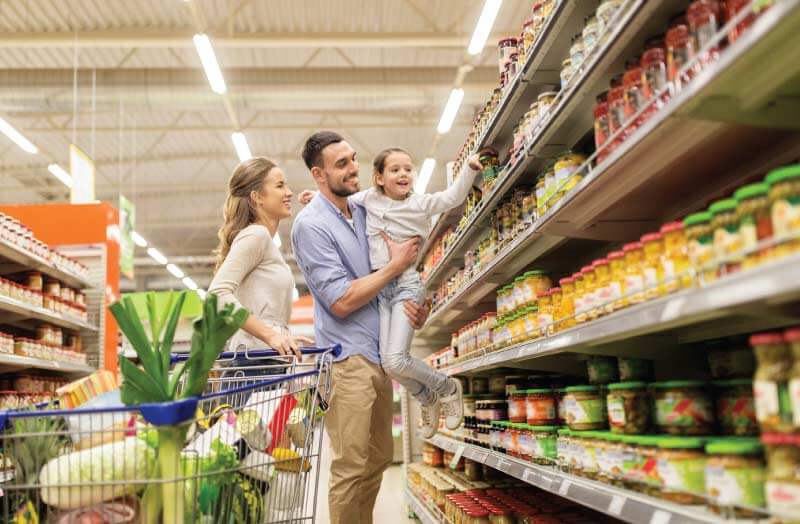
378, 71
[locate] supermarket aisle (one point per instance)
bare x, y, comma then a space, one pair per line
390, 508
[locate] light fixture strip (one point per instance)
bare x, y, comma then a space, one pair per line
241, 146
450, 111
424, 175
156, 255
61, 174
210, 65
17, 137
484, 26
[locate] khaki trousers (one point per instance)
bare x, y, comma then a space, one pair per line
359, 425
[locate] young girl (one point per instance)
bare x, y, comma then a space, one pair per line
397, 212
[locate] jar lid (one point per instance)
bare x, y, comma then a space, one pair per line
647, 440
670, 384
751, 191
735, 382
600, 262
574, 389
778, 439
734, 446
681, 443
781, 174
564, 431
519, 279
555, 290
633, 246
586, 269
534, 273
577, 275
509, 40
547, 94
566, 280
549, 429
537, 391
627, 385
766, 339
671, 227
651, 237
542, 294
792, 335
697, 218
722, 206
615, 255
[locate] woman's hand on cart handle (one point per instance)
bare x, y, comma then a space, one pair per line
283, 344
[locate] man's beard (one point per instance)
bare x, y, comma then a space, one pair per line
342, 190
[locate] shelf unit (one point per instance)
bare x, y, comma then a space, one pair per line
16, 363
20, 313
12, 257
623, 504
423, 512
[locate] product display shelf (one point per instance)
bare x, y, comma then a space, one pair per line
625, 195
740, 303
425, 513
16, 363
625, 505
16, 259
20, 313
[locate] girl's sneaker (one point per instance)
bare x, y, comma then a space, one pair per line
430, 420
453, 407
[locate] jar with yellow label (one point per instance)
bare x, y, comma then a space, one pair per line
567, 171
675, 263
556, 296
546, 100
519, 293
549, 186
566, 311
784, 197
633, 288
545, 312
700, 240
755, 222
537, 282
616, 262
588, 293
532, 330
602, 293
580, 291
727, 243
651, 265
540, 196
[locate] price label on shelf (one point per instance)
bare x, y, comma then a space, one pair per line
616, 505
529, 476
503, 465
457, 456
563, 489
480, 456
660, 517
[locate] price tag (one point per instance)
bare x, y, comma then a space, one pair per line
564, 488
480, 456
503, 465
660, 517
457, 457
616, 505
528, 476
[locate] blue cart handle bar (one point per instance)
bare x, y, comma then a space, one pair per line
335, 350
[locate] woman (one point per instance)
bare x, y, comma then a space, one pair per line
251, 272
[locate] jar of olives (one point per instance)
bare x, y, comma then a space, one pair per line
755, 222
699, 236
727, 243
628, 407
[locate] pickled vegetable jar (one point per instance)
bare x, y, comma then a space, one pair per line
727, 242
784, 195
675, 264
735, 475
576, 53
651, 265
704, 17
580, 297
516, 407
755, 222
545, 312
537, 282
634, 93
654, 78
732, 8
540, 406
771, 382
567, 170
628, 407
518, 292
556, 295
545, 447
616, 262
700, 238
567, 309
566, 72
683, 407
634, 277
736, 412
589, 35
601, 370
616, 112
507, 47
679, 52
585, 408
681, 464
605, 13
783, 474
588, 293
532, 329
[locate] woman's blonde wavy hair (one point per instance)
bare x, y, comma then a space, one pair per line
240, 210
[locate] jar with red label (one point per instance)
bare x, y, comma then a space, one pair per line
540, 407
679, 52
601, 121
735, 406
634, 95
507, 47
616, 114
733, 8
517, 409
704, 17
654, 79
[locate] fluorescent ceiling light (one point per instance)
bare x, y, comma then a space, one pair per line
450, 111
209, 60
277, 240
188, 282
138, 239
201, 293
484, 27
240, 143
16, 137
424, 175
59, 172
156, 255
175, 270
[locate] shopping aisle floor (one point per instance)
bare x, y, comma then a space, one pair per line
390, 507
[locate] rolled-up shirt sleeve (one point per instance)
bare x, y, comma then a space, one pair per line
316, 253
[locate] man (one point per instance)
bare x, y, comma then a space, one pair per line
329, 239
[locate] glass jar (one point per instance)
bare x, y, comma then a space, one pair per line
566, 73
567, 168
516, 407
589, 288
472, 470
628, 407
601, 370
735, 406
616, 113
681, 464
545, 447
704, 17
567, 309
545, 312
727, 242
679, 52
546, 101
783, 473
589, 35
675, 263
616, 262
576, 53
735, 475
537, 282
531, 320
654, 79
601, 130
651, 265
634, 369
506, 48
732, 8
580, 291
540, 407
479, 385
633, 289
549, 186
683, 407
585, 408
605, 14
497, 385
771, 382
520, 299
432, 456
700, 240
634, 93
602, 293
540, 196
725, 361
784, 197
755, 223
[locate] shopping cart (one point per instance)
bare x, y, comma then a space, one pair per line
251, 451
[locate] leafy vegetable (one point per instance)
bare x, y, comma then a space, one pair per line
154, 383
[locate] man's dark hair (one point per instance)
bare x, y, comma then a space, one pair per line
312, 151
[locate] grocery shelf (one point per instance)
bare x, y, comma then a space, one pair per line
16, 362
12, 258
625, 505
16, 312
423, 512
738, 303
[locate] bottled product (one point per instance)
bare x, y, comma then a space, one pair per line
497, 385
603, 292
585, 408
784, 196
589, 35
544, 450
432, 456
653, 249
654, 79
601, 370
634, 369
675, 263
616, 262
507, 47
479, 385
545, 312
783, 474
735, 475
605, 14
727, 243
578, 302
588, 293
679, 53
567, 172
540, 407
634, 93
628, 407
601, 129
704, 17
576, 52
556, 296
633, 288
537, 282
681, 466
730, 362
616, 114
755, 223
699, 236
771, 382
732, 8
792, 338
735, 407
683, 407
516, 407
566, 72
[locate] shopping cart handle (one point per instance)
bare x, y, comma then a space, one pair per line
335, 350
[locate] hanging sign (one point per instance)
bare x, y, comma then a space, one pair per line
81, 168
127, 222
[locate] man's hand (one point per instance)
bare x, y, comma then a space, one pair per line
402, 255
417, 313
305, 196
